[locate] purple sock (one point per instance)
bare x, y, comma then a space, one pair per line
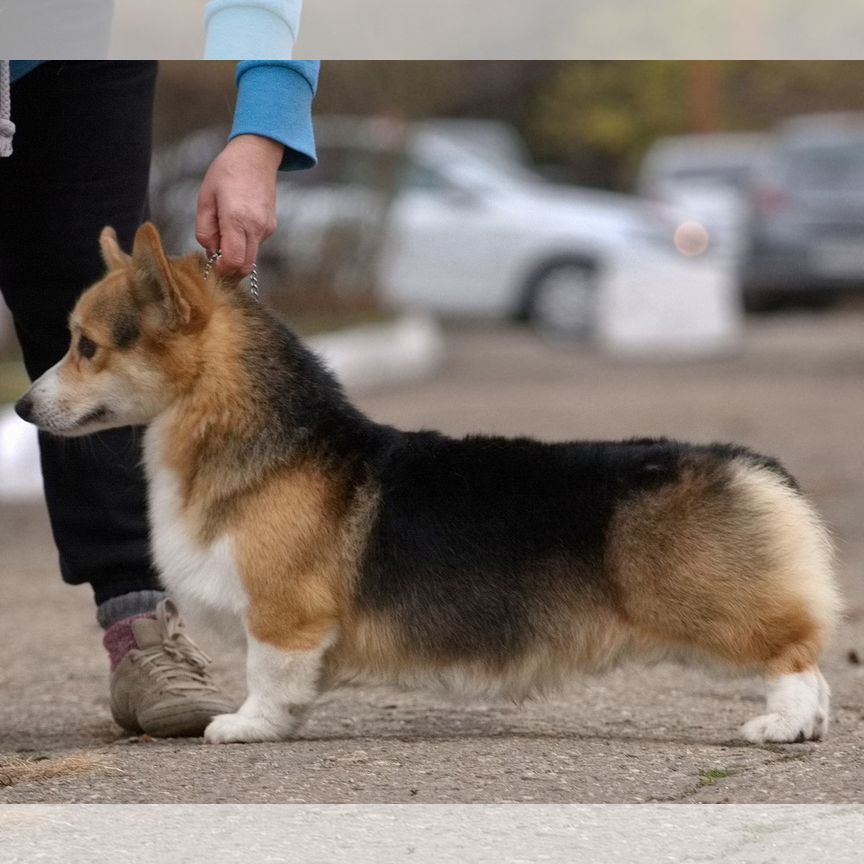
119, 639
127, 605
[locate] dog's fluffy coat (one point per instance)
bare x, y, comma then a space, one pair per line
345, 550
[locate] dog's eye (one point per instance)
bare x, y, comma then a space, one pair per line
86, 347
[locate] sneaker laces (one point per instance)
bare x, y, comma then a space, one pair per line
176, 662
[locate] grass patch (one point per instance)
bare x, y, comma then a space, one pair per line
14, 771
710, 776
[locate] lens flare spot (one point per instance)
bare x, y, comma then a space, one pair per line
691, 238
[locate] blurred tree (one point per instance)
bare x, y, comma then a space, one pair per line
413, 88
501, 89
764, 91
597, 118
705, 96
191, 95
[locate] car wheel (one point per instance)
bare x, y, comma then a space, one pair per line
562, 300
757, 302
812, 301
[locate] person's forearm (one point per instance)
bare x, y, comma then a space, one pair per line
245, 29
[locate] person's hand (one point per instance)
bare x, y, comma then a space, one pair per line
237, 202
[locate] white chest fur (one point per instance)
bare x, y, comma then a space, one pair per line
203, 579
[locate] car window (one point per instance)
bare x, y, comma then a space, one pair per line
735, 176
828, 166
370, 169
413, 175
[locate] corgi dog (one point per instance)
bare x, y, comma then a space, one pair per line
342, 550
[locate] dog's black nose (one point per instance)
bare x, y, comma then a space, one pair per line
24, 408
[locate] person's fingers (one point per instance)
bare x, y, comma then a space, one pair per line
234, 254
207, 221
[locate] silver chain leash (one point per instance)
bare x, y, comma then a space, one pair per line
213, 257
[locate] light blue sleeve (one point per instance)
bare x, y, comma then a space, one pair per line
274, 99
249, 29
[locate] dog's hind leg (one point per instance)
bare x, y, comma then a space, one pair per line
282, 683
737, 569
785, 646
797, 709
798, 585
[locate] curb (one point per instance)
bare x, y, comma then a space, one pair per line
375, 355
20, 474
362, 358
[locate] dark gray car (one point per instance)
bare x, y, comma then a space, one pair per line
805, 237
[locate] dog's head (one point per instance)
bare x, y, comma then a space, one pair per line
132, 345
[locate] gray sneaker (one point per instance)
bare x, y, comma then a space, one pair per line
162, 687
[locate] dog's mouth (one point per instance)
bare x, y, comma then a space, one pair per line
95, 416
85, 423
80, 426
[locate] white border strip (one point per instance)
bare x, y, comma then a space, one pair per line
582, 29
488, 834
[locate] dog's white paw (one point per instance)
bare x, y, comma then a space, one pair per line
238, 728
784, 728
798, 705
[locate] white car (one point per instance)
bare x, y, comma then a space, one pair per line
471, 235
460, 225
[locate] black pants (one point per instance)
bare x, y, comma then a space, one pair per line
81, 161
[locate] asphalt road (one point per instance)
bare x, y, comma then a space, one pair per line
657, 735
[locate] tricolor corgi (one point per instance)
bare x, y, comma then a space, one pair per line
344, 550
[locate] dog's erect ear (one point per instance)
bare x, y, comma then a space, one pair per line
113, 256
155, 278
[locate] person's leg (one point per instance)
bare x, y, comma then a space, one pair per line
81, 161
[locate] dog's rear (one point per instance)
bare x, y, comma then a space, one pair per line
734, 565
348, 550
731, 561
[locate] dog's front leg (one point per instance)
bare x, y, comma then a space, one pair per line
281, 683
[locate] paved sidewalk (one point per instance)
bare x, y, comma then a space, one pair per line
663, 734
